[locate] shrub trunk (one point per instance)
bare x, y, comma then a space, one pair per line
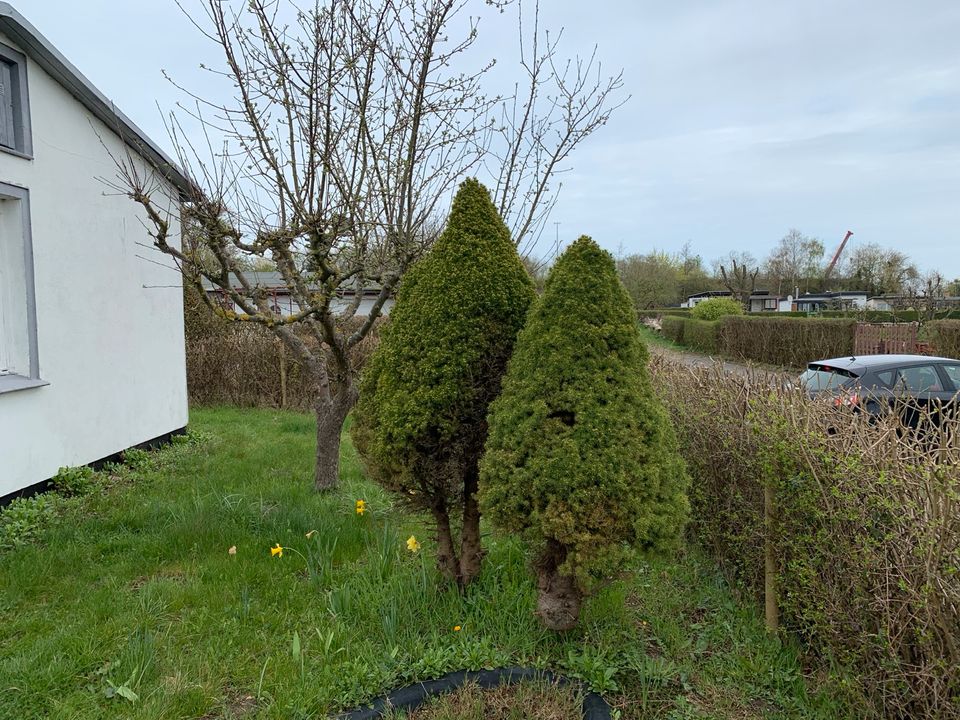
558, 597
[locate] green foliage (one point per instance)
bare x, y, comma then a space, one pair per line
580, 452
701, 335
785, 341
73, 480
672, 328
716, 308
944, 335
424, 396
24, 518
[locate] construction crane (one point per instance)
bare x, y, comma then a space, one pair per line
836, 257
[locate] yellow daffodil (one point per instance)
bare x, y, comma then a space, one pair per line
361, 507
412, 544
276, 551
456, 628
232, 550
311, 534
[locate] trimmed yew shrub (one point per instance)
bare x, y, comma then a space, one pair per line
420, 423
716, 308
581, 457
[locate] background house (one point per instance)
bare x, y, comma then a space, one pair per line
281, 301
845, 300
91, 331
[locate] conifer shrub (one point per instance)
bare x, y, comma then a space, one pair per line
420, 423
581, 457
716, 308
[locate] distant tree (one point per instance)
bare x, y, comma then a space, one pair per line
738, 272
796, 261
952, 288
421, 421
715, 308
581, 457
652, 280
879, 270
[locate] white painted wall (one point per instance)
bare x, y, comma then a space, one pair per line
111, 349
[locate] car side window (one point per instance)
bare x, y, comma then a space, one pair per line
953, 372
919, 379
887, 377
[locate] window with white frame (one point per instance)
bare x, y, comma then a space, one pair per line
19, 366
14, 103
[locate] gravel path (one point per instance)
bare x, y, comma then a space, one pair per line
697, 360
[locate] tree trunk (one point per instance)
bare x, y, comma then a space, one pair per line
446, 556
330, 418
558, 597
471, 551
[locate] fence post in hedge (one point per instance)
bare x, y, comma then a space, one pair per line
771, 611
283, 376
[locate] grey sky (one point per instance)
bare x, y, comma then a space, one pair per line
747, 118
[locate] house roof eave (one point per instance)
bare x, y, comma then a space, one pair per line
40, 50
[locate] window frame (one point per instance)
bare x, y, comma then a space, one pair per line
23, 137
14, 381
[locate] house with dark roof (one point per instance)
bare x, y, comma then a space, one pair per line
284, 303
91, 330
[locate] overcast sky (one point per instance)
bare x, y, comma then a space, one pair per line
746, 119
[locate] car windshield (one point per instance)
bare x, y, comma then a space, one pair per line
821, 377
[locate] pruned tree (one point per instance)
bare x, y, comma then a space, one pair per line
740, 280
794, 262
345, 134
421, 421
581, 457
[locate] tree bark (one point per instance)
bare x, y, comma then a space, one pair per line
471, 551
558, 597
330, 418
446, 556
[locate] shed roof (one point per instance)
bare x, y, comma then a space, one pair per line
41, 51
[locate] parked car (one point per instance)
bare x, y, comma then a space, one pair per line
873, 383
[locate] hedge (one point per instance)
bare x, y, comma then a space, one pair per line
701, 335
864, 535
944, 335
672, 328
785, 341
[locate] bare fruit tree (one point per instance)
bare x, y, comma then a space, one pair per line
347, 129
740, 280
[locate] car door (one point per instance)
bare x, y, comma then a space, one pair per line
950, 372
922, 390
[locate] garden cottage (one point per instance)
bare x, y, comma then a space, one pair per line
91, 331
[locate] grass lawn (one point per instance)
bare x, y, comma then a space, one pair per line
132, 606
652, 337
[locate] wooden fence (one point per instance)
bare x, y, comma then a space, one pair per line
879, 338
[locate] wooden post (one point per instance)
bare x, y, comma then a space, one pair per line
283, 375
771, 612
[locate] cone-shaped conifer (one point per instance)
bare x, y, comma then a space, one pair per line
581, 457
420, 424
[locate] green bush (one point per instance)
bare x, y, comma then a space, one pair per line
420, 423
785, 341
701, 335
73, 480
23, 518
716, 308
944, 335
581, 457
672, 328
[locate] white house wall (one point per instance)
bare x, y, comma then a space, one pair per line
109, 323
